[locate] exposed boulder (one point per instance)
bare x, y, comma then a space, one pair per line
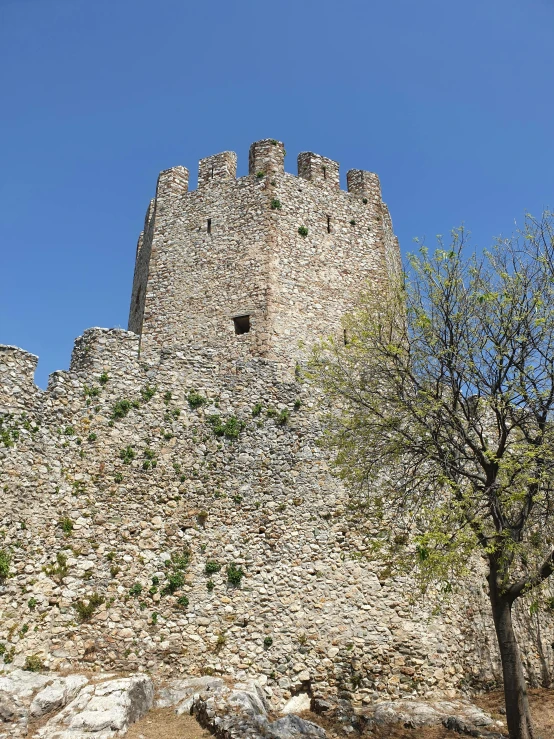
291, 727
102, 711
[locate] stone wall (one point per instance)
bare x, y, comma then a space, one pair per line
130, 501
165, 503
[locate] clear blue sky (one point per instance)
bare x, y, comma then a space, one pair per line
451, 103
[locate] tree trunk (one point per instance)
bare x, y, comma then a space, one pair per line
518, 715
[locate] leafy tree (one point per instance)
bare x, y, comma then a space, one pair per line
442, 423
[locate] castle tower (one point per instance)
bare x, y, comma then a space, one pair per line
259, 265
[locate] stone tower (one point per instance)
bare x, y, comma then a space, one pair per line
257, 266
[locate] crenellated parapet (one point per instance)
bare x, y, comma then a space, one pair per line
319, 170
105, 350
216, 168
18, 391
172, 184
266, 158
364, 184
260, 265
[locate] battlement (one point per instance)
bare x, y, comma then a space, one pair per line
256, 265
217, 167
102, 349
172, 183
318, 170
267, 158
17, 384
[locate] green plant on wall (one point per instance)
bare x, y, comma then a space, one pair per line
195, 400
5, 561
234, 574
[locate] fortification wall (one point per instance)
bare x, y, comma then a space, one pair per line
18, 391
170, 457
116, 484
292, 253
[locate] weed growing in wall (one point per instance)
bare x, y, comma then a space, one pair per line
257, 409
9, 427
135, 589
234, 574
8, 436
195, 400
5, 561
183, 601
230, 428
148, 392
275, 204
303, 231
283, 417
211, 567
58, 570
127, 454
181, 560
33, 663
150, 460
175, 581
121, 408
85, 610
103, 379
66, 525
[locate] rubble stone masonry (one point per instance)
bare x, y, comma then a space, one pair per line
172, 478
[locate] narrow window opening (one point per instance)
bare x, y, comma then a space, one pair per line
242, 324
209, 225
137, 298
328, 224
324, 173
345, 335
212, 171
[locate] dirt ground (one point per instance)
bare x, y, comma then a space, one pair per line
162, 723
542, 709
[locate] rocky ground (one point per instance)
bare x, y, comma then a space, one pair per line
104, 706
